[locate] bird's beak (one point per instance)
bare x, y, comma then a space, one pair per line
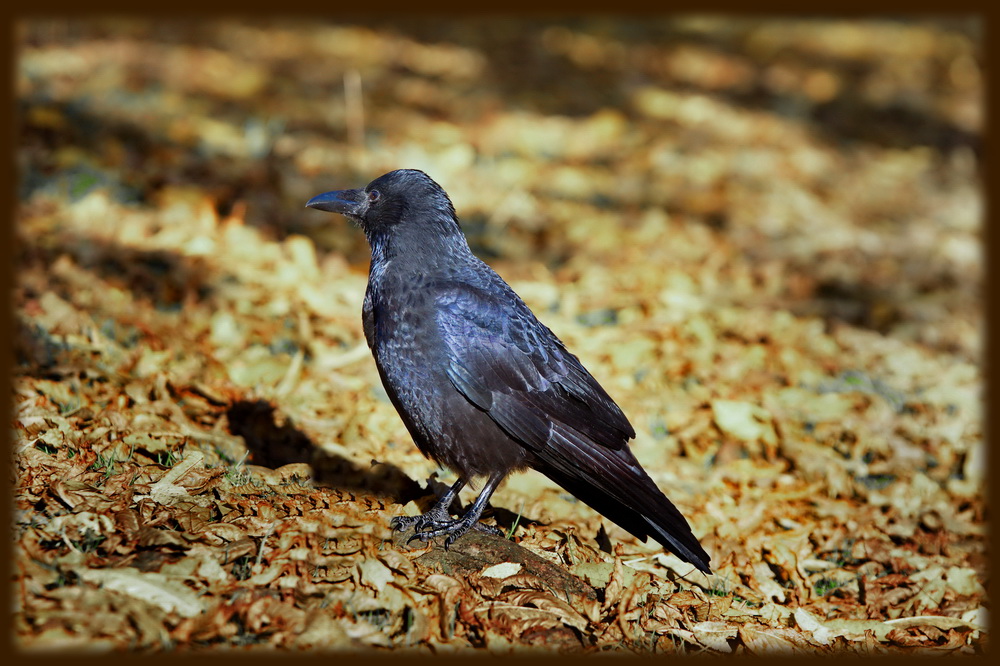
346, 202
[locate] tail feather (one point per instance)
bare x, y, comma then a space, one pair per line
614, 485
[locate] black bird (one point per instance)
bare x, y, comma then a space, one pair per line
484, 387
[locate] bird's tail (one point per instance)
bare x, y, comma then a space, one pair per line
614, 484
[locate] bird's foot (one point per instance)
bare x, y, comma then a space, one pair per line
488, 529
435, 518
438, 520
437, 523
432, 518
453, 529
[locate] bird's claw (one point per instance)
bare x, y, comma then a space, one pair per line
429, 530
426, 527
400, 523
416, 535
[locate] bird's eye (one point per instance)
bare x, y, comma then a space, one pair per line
373, 196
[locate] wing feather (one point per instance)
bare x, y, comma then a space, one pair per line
526, 363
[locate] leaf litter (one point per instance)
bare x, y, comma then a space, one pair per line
762, 236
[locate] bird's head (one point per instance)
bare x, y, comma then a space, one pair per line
401, 197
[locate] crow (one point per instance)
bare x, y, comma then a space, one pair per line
483, 387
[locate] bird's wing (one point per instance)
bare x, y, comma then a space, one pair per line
511, 366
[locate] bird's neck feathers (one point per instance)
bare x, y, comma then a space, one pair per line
427, 234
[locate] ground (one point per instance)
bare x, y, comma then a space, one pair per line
763, 237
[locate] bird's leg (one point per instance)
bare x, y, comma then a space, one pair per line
459, 526
437, 515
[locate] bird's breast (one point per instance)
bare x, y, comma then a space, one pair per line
412, 356
403, 332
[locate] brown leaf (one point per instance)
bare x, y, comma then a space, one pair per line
760, 640
548, 603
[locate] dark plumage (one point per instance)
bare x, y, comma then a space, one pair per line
481, 384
